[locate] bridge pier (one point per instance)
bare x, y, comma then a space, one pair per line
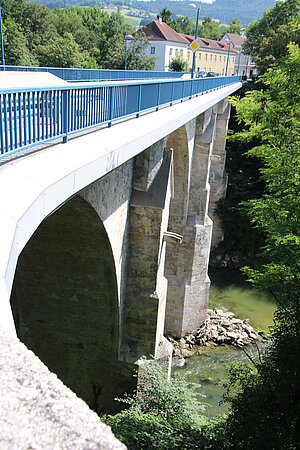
144, 311
218, 176
187, 266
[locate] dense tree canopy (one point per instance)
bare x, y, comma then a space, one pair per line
266, 411
70, 37
268, 38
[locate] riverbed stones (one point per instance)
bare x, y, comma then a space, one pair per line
221, 327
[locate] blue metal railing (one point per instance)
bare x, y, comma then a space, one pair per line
71, 74
33, 116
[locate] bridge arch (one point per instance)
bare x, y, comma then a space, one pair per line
65, 301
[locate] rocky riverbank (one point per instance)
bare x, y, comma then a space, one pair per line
221, 327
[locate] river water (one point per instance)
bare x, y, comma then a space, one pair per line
230, 290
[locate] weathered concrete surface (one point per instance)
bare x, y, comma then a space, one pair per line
38, 412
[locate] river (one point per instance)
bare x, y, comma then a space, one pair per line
230, 290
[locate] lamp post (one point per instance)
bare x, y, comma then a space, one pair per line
228, 55
2, 45
193, 6
128, 37
239, 58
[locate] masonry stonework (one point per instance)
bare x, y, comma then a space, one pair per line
218, 175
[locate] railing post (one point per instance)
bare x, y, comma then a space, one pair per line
191, 91
139, 101
158, 96
110, 106
172, 94
65, 114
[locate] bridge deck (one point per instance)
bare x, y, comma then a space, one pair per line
34, 115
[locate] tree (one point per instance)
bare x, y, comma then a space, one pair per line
63, 52
137, 58
166, 15
235, 26
178, 64
267, 39
184, 25
265, 399
209, 29
15, 45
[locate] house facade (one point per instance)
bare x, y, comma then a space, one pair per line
244, 64
212, 56
164, 44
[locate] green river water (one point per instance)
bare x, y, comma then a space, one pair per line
229, 290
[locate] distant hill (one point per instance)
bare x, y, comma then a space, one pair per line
223, 10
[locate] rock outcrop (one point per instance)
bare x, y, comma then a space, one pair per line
221, 327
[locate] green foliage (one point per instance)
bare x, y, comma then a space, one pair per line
265, 400
164, 414
268, 38
166, 15
137, 58
16, 45
184, 25
70, 37
235, 26
178, 64
210, 29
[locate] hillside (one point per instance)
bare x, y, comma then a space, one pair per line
223, 10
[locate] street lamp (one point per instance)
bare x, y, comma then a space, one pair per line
228, 55
239, 58
2, 45
193, 6
127, 38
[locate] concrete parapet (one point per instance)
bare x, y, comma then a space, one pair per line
38, 411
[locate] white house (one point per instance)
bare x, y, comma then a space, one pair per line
243, 64
164, 43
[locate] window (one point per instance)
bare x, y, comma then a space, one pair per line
246, 60
176, 51
224, 58
181, 52
152, 50
233, 59
220, 58
210, 58
199, 56
215, 58
205, 56
171, 51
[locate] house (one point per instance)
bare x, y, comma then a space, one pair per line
164, 43
212, 56
244, 64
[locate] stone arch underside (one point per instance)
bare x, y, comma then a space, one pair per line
65, 305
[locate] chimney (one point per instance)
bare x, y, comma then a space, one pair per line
159, 19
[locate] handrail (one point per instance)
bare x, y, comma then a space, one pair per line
34, 116
74, 74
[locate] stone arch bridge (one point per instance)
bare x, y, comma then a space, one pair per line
105, 240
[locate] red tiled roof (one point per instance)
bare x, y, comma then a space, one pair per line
160, 31
210, 44
236, 39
